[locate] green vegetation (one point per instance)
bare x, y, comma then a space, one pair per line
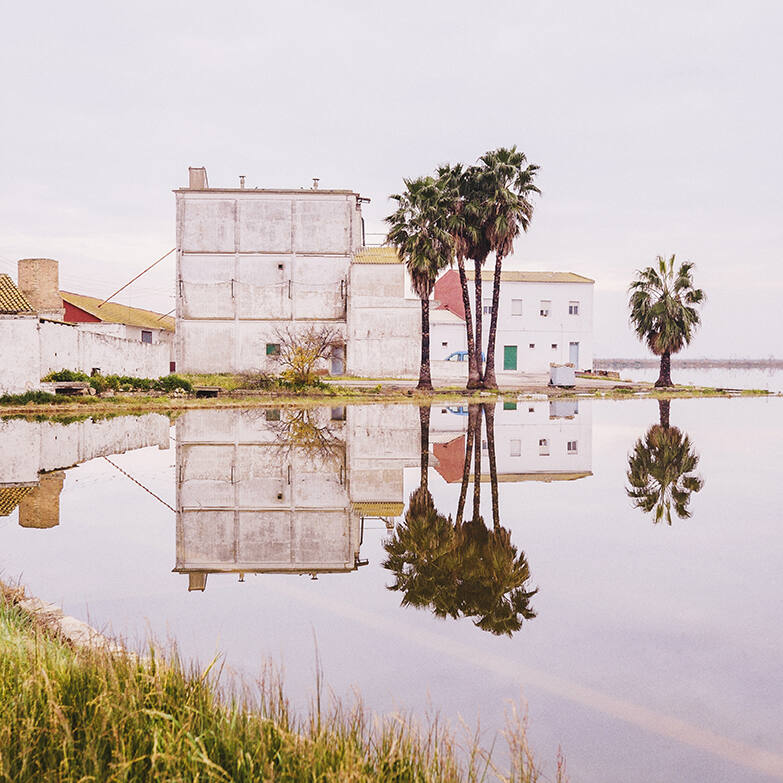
122, 383
76, 715
418, 229
35, 397
464, 212
663, 310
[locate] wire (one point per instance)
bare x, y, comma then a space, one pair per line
140, 484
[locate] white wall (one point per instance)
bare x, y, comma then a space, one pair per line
33, 348
250, 260
384, 327
559, 328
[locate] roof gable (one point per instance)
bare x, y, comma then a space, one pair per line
114, 313
12, 300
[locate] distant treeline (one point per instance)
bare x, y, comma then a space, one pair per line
703, 364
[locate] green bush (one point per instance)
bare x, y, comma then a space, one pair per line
170, 383
37, 397
69, 376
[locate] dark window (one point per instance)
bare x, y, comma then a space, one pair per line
272, 414
273, 349
146, 337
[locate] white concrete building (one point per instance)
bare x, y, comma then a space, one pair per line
544, 318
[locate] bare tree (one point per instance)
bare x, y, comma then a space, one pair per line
301, 350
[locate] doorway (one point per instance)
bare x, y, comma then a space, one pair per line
573, 354
509, 357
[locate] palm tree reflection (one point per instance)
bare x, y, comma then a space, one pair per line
461, 568
661, 469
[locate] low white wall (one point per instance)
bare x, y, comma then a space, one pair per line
32, 349
65, 347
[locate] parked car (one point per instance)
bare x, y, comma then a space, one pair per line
462, 356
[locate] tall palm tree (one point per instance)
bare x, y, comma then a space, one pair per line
508, 184
419, 232
663, 310
661, 471
464, 228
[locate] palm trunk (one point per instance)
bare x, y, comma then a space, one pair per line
463, 490
424, 425
477, 466
489, 374
663, 413
665, 377
489, 417
425, 379
477, 348
474, 379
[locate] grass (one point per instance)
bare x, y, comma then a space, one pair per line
86, 715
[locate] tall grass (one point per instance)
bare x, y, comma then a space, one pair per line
87, 715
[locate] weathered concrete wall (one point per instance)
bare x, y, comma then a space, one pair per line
20, 365
28, 448
384, 327
68, 347
249, 260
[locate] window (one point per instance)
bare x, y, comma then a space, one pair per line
516, 448
554, 346
572, 447
279, 266
532, 345
509, 406
338, 414
487, 305
546, 307
273, 349
516, 307
146, 337
543, 447
531, 409
272, 414
445, 345
573, 308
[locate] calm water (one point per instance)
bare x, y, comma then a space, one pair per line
770, 379
649, 651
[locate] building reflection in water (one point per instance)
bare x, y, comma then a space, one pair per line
35, 455
287, 491
460, 566
661, 470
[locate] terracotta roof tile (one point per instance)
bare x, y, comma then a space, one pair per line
12, 300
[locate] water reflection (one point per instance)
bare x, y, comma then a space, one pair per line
461, 568
35, 455
661, 467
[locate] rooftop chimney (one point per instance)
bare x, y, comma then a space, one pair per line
316, 180
39, 282
198, 178
242, 181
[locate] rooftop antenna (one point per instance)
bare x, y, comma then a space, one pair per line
316, 180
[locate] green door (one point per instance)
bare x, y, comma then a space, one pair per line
509, 357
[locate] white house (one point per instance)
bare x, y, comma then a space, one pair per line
544, 318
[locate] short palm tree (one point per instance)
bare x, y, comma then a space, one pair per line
508, 182
663, 304
661, 471
419, 232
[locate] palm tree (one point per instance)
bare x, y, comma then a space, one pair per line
464, 228
419, 233
661, 469
663, 310
508, 182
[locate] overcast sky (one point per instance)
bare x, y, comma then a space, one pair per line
657, 127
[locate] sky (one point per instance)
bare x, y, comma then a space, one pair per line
657, 129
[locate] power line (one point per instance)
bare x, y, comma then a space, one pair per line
140, 484
137, 277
